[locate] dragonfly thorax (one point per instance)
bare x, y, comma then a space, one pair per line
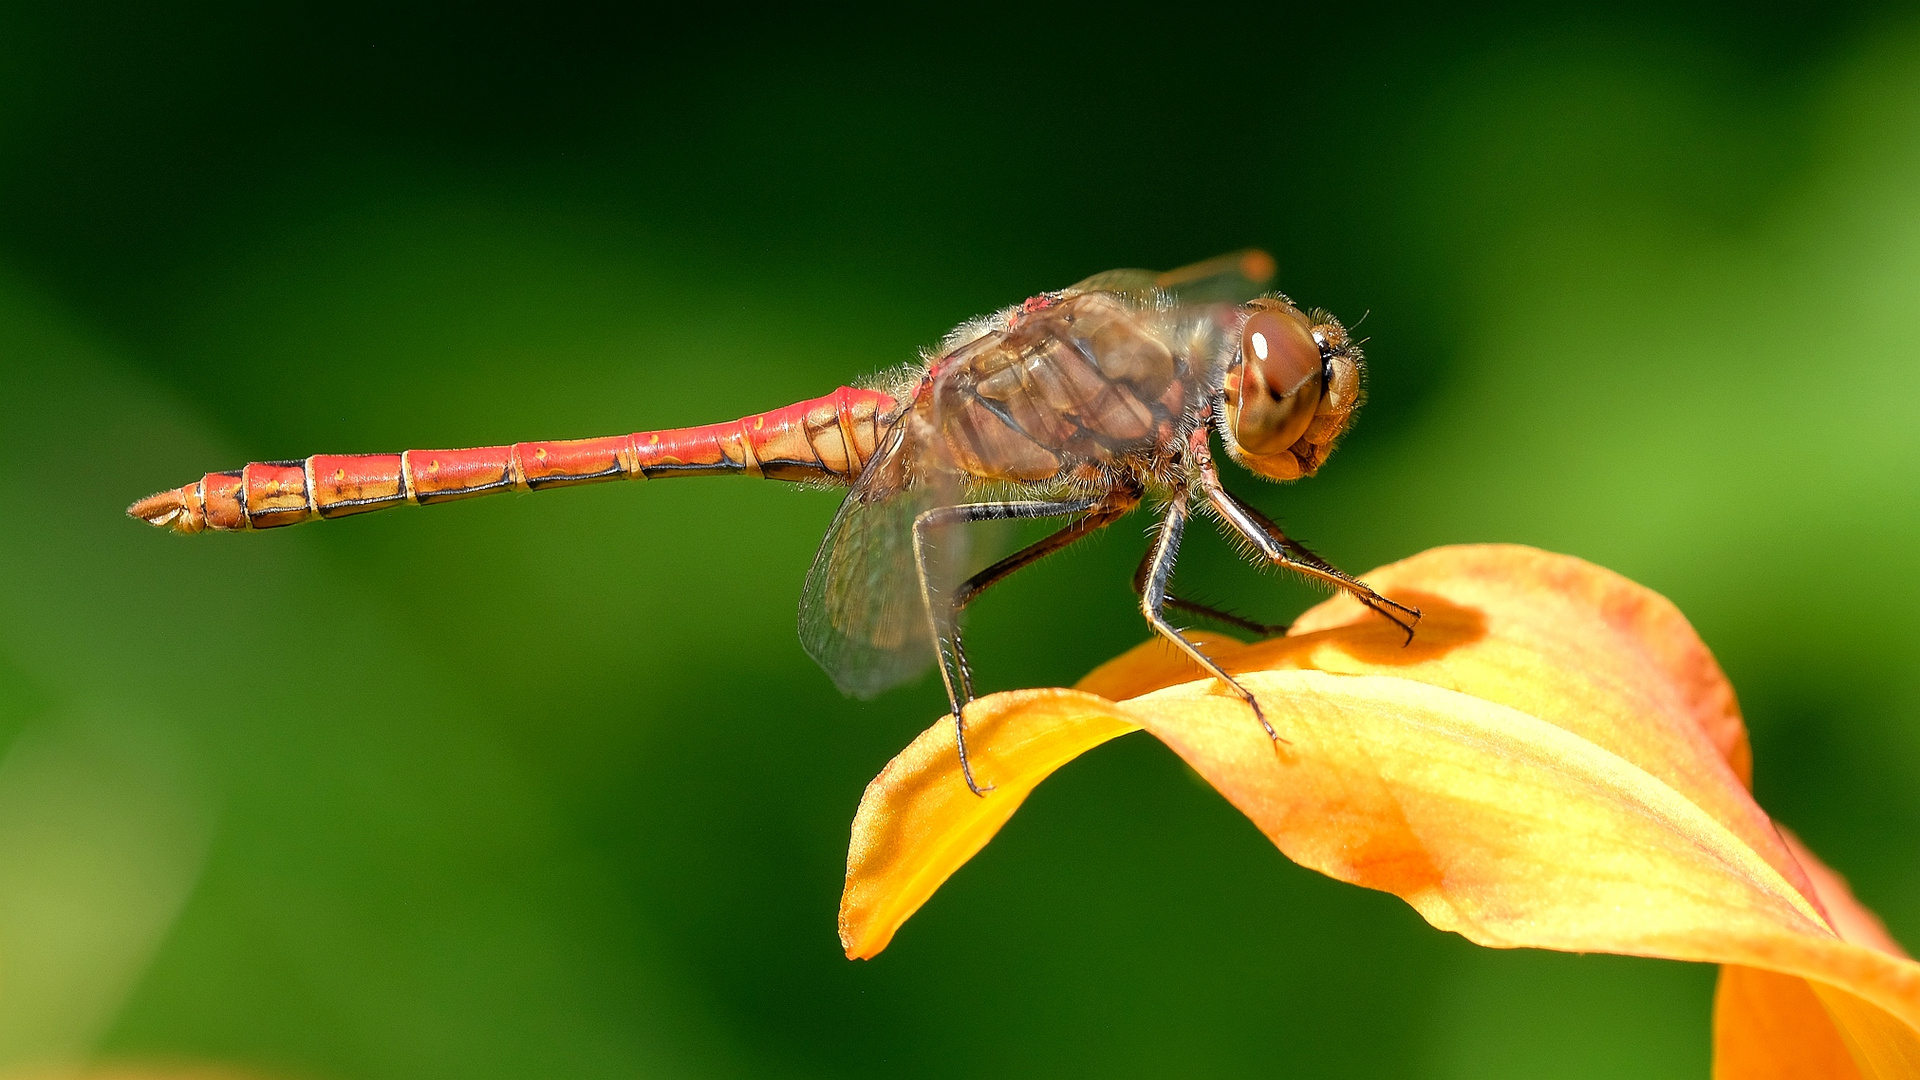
1092, 381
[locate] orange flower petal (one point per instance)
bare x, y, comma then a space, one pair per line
1768, 1025
918, 822
1555, 762
1513, 832
1561, 639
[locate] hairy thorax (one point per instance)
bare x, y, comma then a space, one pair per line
1091, 385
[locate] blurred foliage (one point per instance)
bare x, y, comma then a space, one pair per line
545, 786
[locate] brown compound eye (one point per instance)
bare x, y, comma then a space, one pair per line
1280, 383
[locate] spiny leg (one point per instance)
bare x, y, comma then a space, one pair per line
970, 590
1193, 607
1097, 519
941, 608
1276, 546
1153, 601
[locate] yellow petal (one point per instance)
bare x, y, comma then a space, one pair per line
918, 821
1555, 762
1153, 665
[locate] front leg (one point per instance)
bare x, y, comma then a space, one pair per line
1277, 547
942, 606
1153, 602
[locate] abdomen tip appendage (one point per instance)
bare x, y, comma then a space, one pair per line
167, 510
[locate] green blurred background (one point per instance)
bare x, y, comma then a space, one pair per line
546, 786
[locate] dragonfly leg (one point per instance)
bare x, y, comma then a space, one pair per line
1205, 611
1275, 545
942, 608
1096, 519
969, 591
1153, 603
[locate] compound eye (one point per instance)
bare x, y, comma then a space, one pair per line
1279, 345
1281, 376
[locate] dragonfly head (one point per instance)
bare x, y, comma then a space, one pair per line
1292, 383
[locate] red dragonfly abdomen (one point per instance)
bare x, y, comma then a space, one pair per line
825, 440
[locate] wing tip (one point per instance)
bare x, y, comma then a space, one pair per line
1257, 266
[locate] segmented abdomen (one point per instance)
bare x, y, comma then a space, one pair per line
827, 439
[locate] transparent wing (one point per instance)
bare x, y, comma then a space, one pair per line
1234, 277
862, 617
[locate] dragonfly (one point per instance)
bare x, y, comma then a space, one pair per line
1078, 405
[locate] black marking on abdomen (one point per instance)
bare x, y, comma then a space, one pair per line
728, 465
563, 479
344, 507
461, 493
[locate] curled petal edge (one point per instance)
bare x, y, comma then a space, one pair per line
1453, 803
1558, 763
